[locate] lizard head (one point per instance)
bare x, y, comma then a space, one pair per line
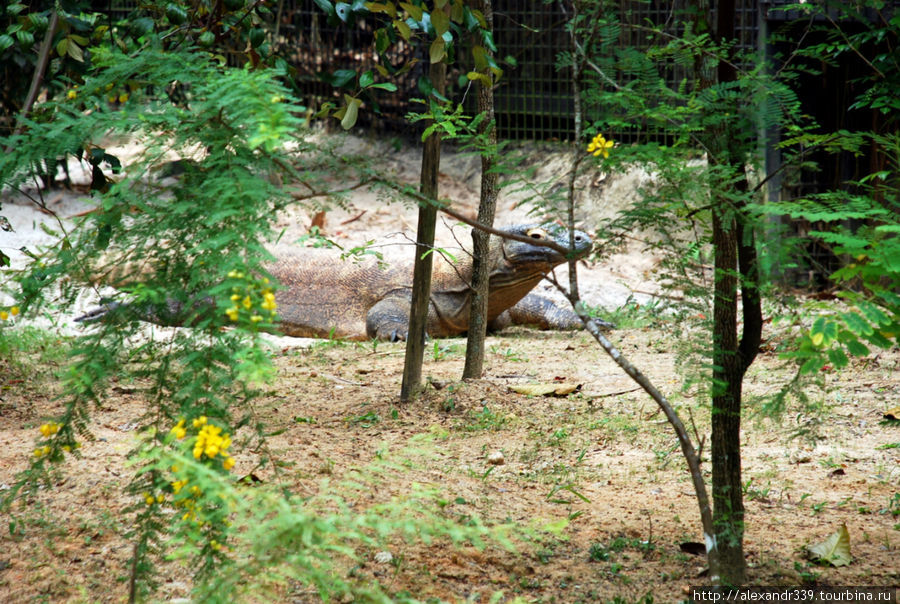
541, 257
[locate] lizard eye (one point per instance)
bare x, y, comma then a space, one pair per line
536, 233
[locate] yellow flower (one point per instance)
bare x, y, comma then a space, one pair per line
38, 452
198, 452
211, 450
123, 97
109, 86
200, 421
600, 146
269, 301
235, 297
228, 463
256, 318
233, 313
247, 302
3, 315
49, 429
149, 499
178, 430
112, 99
71, 94
215, 544
14, 311
160, 498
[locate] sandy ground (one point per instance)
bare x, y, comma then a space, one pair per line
606, 443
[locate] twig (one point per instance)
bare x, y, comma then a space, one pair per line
354, 219
314, 193
617, 393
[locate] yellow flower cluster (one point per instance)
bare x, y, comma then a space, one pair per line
12, 312
210, 441
254, 298
48, 430
600, 146
149, 499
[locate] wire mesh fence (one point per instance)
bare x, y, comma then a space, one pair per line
533, 100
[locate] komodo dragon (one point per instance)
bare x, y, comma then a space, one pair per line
324, 297
361, 301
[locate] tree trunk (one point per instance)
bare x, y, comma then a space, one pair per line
735, 258
480, 239
421, 292
727, 562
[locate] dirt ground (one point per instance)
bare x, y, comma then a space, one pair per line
601, 464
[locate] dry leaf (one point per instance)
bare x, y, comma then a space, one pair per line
893, 414
835, 550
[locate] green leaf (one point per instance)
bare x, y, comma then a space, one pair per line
403, 29
74, 51
26, 38
61, 47
835, 550
856, 347
176, 13
857, 324
143, 26
385, 86
6, 41
838, 358
415, 12
366, 79
38, 20
382, 41
441, 23
488, 39
874, 314
206, 38
352, 112
480, 57
325, 6
342, 77
437, 50
823, 332
813, 365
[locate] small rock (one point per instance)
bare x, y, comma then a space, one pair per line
383, 557
495, 458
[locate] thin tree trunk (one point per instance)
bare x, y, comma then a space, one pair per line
727, 562
486, 208
735, 254
421, 293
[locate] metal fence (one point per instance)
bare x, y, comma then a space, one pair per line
533, 100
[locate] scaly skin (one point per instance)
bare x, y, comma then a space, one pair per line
322, 296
